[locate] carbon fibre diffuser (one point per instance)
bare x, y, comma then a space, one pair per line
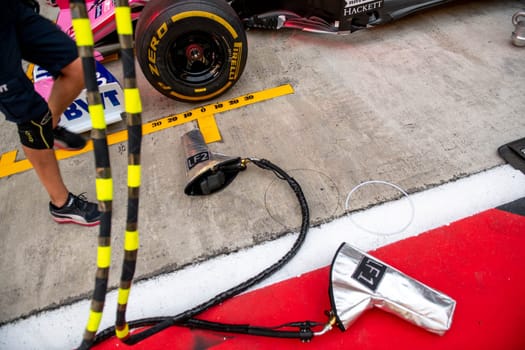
360, 282
206, 172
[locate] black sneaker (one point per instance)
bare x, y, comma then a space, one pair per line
67, 140
77, 210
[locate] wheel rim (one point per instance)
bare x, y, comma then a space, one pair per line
197, 58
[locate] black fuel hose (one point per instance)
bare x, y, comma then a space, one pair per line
104, 180
186, 318
304, 333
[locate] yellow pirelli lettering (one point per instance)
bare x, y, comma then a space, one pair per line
97, 116
131, 241
203, 97
83, 33
103, 257
192, 14
133, 175
104, 189
122, 333
123, 19
94, 321
132, 101
123, 296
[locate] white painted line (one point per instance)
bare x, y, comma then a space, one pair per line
173, 293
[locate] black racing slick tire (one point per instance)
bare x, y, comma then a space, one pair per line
191, 50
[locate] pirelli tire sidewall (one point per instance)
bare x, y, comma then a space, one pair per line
163, 22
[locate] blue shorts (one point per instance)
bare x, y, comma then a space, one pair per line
26, 35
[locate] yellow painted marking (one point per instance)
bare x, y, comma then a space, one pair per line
103, 257
234, 103
104, 189
10, 166
83, 33
131, 241
132, 101
209, 129
94, 321
123, 19
133, 175
123, 296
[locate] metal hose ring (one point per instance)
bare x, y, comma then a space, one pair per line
517, 15
412, 209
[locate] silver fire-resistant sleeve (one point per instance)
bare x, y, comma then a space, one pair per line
360, 282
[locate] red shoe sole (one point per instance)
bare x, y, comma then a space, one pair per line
70, 221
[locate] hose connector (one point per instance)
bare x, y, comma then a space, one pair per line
328, 327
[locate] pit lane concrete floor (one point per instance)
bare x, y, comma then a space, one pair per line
419, 102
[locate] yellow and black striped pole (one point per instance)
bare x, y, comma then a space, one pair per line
133, 109
104, 181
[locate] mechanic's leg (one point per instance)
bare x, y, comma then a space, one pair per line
46, 166
66, 89
64, 206
36, 137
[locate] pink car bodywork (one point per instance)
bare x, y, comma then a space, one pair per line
100, 13
102, 17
